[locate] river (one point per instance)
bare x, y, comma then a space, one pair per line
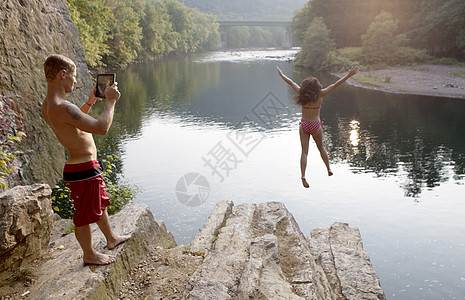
197, 129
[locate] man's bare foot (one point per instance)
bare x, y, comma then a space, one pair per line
305, 183
119, 240
330, 173
99, 259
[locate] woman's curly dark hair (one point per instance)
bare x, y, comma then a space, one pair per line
309, 91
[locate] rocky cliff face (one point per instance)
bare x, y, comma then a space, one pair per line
31, 30
25, 225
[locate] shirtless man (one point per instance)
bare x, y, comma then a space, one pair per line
82, 173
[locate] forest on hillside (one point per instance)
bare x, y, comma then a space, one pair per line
276, 10
244, 37
335, 34
117, 32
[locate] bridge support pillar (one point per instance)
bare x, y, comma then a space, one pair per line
223, 43
287, 37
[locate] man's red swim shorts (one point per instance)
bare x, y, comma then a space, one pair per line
87, 191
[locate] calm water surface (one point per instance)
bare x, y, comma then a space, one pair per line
399, 161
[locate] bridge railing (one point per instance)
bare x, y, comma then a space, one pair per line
227, 23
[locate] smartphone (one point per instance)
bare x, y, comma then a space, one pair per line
104, 80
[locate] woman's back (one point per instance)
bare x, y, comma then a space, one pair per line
311, 111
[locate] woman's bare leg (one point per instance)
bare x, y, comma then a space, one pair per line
318, 138
304, 140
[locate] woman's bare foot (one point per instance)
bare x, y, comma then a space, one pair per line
119, 240
99, 259
305, 183
330, 173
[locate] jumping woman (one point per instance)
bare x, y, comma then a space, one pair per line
310, 96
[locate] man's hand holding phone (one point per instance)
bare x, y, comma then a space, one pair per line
92, 98
107, 88
111, 92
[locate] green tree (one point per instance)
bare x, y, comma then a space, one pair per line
238, 37
381, 43
439, 27
260, 37
302, 18
346, 19
316, 46
118, 32
126, 35
206, 30
349, 19
155, 28
182, 21
92, 18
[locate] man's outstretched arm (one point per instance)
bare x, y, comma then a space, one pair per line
84, 122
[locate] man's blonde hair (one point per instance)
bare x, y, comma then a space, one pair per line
55, 63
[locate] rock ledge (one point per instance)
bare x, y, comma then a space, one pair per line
254, 251
248, 251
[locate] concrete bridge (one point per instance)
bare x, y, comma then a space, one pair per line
286, 25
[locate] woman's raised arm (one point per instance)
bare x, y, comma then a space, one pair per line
294, 85
331, 87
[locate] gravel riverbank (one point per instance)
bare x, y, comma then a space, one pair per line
428, 80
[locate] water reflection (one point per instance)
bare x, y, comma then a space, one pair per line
354, 134
420, 139
418, 136
201, 93
162, 87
